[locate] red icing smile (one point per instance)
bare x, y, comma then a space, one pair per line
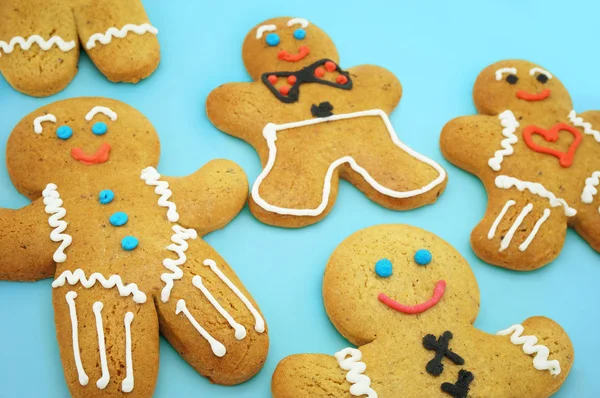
303, 51
565, 158
524, 95
100, 156
438, 292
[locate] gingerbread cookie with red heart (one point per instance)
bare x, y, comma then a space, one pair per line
313, 122
538, 159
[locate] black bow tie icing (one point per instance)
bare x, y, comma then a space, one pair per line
314, 73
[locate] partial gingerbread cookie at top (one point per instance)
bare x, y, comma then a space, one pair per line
40, 41
538, 159
313, 122
124, 246
408, 301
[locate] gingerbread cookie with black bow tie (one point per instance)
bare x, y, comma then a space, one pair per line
313, 122
538, 159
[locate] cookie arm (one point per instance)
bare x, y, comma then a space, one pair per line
375, 87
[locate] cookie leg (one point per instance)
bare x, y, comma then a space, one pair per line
588, 224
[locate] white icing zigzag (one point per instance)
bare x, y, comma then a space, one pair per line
54, 207
590, 188
151, 176
78, 276
361, 384
179, 246
510, 124
39, 40
587, 127
540, 361
106, 37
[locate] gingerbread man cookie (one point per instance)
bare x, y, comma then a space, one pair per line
123, 244
313, 122
39, 42
408, 300
539, 162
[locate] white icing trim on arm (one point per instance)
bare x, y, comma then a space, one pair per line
151, 177
535, 230
590, 190
505, 243
533, 71
265, 28
500, 71
106, 37
298, 21
128, 382
45, 45
54, 207
494, 227
105, 378
587, 127
361, 383
510, 124
216, 346
101, 109
83, 377
179, 246
37, 122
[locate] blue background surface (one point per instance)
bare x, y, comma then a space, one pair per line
436, 49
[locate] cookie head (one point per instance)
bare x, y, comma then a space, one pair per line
77, 140
285, 44
391, 278
519, 86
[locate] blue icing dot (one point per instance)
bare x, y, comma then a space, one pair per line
118, 219
383, 268
129, 243
106, 196
99, 128
64, 132
423, 257
300, 34
272, 39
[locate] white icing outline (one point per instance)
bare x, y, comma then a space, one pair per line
54, 207
270, 134
83, 377
540, 361
264, 28
259, 323
587, 127
106, 37
298, 21
505, 243
494, 227
101, 109
541, 71
510, 124
72, 278
105, 378
217, 347
37, 122
152, 177
128, 382
45, 45
361, 383
535, 230
508, 70
179, 246
590, 190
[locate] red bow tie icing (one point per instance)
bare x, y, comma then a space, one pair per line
552, 135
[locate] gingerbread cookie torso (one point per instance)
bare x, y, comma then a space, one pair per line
408, 301
538, 159
40, 41
124, 246
313, 122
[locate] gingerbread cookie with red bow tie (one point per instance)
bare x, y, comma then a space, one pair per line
538, 159
313, 122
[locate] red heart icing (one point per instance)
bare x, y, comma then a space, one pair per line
565, 158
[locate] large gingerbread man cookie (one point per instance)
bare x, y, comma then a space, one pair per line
539, 162
40, 40
124, 246
408, 300
313, 122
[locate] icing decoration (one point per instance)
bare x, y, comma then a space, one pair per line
54, 207
341, 79
83, 377
179, 246
105, 378
438, 292
106, 37
217, 348
64, 132
524, 95
100, 156
240, 331
303, 51
299, 34
128, 382
37, 122
320, 72
461, 388
324, 109
99, 128
512, 79
270, 134
129, 243
284, 90
499, 72
298, 21
72, 278
361, 383
492, 231
64, 46
151, 177
552, 135
540, 361
106, 196
291, 79
590, 190
541, 71
272, 39
259, 323
510, 124
511, 232
535, 230
265, 28
118, 219
304, 75
506, 182
423, 257
383, 268
587, 127
435, 367
101, 109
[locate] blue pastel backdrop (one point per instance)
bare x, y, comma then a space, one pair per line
436, 48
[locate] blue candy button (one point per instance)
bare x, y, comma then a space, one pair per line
299, 34
118, 219
383, 268
272, 39
99, 128
64, 132
129, 243
106, 196
423, 257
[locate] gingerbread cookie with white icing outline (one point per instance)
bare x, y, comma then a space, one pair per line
124, 246
538, 160
40, 41
408, 301
313, 122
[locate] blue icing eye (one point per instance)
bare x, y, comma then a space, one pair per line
129, 243
299, 34
64, 132
106, 196
118, 219
99, 128
383, 268
423, 257
272, 39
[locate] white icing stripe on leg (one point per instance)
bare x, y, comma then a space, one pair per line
494, 227
128, 382
111, 32
540, 361
259, 324
151, 177
535, 230
54, 207
83, 377
240, 331
511, 232
510, 124
179, 247
45, 45
217, 348
102, 381
361, 383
